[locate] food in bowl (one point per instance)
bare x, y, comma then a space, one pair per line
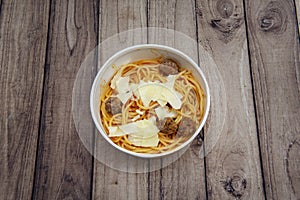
152, 101
151, 105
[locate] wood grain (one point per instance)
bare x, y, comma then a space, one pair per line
39, 61
185, 178
64, 167
116, 17
23, 39
233, 166
297, 4
274, 48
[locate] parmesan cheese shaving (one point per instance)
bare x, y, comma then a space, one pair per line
163, 112
115, 131
123, 84
114, 80
159, 92
140, 133
150, 142
124, 96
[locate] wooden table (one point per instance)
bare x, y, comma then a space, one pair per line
256, 47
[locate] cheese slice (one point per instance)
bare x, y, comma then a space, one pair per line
124, 96
159, 92
163, 112
179, 95
122, 84
142, 128
171, 81
133, 87
113, 82
140, 133
115, 131
162, 103
149, 142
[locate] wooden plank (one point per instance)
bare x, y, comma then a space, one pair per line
233, 166
23, 38
185, 178
115, 17
64, 167
297, 4
274, 48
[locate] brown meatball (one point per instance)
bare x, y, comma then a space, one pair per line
167, 125
168, 67
186, 127
113, 105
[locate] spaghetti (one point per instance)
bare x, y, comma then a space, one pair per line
192, 108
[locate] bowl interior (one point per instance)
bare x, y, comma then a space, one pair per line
135, 53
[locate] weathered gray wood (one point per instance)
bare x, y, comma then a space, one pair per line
274, 49
115, 17
23, 38
64, 167
184, 179
233, 166
297, 4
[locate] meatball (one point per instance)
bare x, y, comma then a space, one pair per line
167, 125
168, 67
186, 127
113, 105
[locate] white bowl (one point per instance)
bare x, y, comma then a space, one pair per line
138, 52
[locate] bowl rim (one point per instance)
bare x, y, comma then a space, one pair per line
159, 47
